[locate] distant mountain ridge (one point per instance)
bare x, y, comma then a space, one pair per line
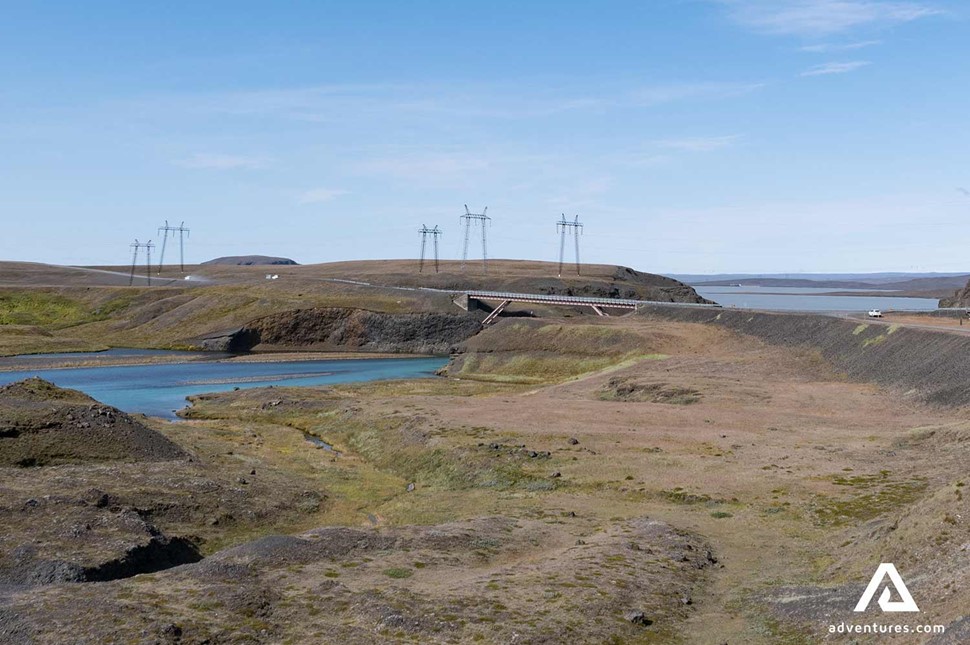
889, 281
876, 277
252, 260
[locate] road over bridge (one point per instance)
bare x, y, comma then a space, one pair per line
468, 299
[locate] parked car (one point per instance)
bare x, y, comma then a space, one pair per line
875, 313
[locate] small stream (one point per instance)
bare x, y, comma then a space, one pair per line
320, 443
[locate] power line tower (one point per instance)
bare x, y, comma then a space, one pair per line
183, 233
564, 226
434, 233
467, 219
148, 246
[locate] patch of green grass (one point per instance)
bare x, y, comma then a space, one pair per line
42, 309
679, 496
858, 330
862, 481
531, 367
876, 340
629, 390
882, 496
720, 515
784, 633
398, 572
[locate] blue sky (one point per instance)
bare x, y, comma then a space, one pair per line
691, 136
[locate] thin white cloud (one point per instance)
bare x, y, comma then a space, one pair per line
207, 161
830, 48
436, 104
583, 193
826, 69
699, 144
660, 94
425, 165
320, 195
813, 18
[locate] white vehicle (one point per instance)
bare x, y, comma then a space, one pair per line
875, 313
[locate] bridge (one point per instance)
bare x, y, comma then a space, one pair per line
469, 299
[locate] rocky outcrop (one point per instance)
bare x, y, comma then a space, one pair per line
342, 329
233, 341
961, 298
43, 425
77, 540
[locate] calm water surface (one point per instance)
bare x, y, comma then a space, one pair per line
809, 299
160, 389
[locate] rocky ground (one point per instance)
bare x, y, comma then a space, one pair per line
43, 425
489, 579
624, 480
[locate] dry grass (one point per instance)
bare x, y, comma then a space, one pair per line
778, 464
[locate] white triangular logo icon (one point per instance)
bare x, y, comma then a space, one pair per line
906, 604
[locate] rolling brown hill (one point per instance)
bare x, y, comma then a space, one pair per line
52, 308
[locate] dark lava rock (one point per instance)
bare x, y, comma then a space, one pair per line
109, 546
172, 632
573, 441
357, 329
638, 618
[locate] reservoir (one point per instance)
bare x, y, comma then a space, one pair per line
160, 389
811, 299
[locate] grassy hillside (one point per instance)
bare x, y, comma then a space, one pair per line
535, 351
49, 308
41, 319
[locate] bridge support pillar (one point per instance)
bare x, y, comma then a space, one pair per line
490, 318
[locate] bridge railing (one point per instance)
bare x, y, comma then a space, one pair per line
541, 297
577, 300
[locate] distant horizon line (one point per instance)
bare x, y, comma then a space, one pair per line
681, 275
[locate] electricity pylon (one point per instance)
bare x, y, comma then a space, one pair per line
183, 233
434, 233
467, 220
148, 246
563, 226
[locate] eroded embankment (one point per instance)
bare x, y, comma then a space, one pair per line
341, 328
539, 351
929, 365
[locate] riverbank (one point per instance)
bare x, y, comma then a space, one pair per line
105, 358
160, 389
